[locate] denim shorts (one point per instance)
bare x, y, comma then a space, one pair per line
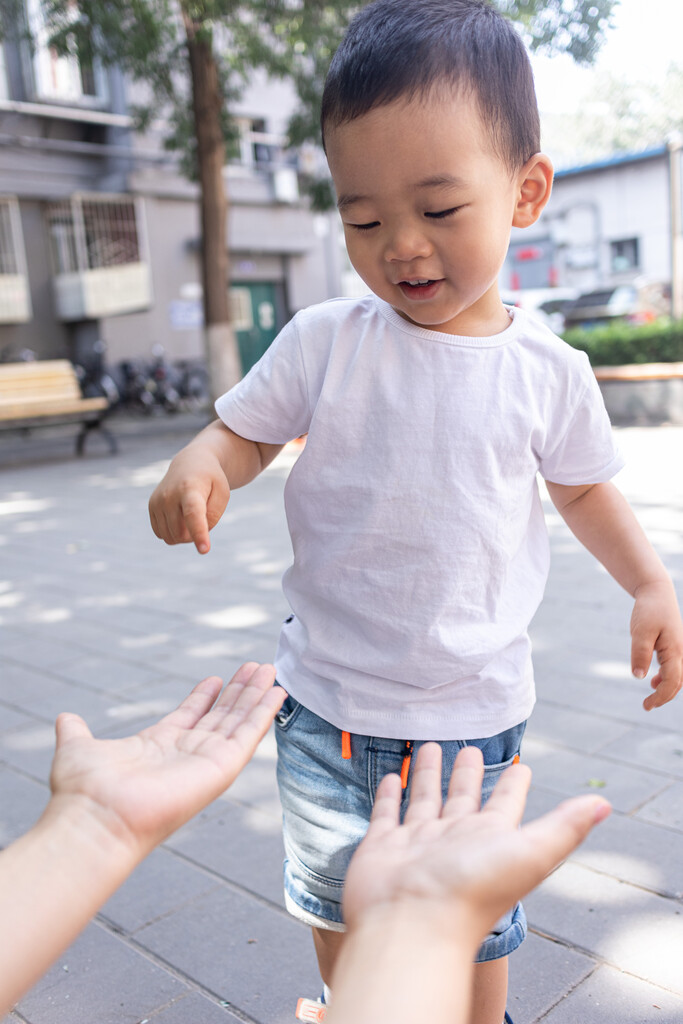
327, 802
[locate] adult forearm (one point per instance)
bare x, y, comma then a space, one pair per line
52, 880
400, 965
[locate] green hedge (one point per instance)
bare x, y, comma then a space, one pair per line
620, 343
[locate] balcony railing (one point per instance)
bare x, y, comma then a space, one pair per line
98, 256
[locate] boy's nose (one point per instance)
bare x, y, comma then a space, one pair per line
406, 244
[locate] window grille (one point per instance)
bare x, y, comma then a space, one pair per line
241, 311
90, 233
15, 302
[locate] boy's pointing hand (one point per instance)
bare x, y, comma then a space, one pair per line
656, 628
190, 499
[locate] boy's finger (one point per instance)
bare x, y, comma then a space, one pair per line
464, 788
509, 795
193, 511
666, 684
642, 650
425, 788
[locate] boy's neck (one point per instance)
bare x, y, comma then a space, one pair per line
484, 319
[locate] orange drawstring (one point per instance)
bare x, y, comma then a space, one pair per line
405, 767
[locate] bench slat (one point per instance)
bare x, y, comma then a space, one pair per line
22, 409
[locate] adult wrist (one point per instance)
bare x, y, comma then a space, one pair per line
76, 820
444, 922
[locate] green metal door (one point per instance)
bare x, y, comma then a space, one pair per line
256, 319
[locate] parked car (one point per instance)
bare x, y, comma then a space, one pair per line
637, 303
547, 304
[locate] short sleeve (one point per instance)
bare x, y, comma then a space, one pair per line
586, 452
271, 403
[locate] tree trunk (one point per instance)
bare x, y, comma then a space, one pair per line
222, 353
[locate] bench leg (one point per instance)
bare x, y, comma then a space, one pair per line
86, 429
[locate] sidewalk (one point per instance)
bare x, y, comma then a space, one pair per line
99, 617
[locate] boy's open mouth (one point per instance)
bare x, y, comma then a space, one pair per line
419, 288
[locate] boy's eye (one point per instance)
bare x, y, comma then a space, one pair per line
364, 227
440, 214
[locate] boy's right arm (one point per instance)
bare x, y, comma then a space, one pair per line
193, 495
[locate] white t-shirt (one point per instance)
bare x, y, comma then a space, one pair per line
420, 547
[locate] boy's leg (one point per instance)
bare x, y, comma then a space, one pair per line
327, 946
490, 991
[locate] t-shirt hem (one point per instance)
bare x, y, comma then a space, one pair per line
401, 726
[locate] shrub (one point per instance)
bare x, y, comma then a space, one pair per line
620, 343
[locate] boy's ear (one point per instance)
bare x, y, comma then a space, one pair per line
535, 182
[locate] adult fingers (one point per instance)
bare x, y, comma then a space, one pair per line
248, 688
195, 706
464, 788
70, 727
554, 836
425, 788
386, 808
509, 795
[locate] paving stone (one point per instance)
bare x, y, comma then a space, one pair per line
30, 749
10, 718
578, 730
239, 843
665, 809
570, 774
22, 801
540, 972
627, 927
650, 748
110, 672
602, 697
258, 959
100, 979
194, 1009
163, 882
611, 997
636, 852
46, 695
43, 654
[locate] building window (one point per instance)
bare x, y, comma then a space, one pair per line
624, 255
63, 79
91, 233
15, 302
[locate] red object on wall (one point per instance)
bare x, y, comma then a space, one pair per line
532, 252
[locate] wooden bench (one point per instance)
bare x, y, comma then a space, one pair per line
640, 371
45, 393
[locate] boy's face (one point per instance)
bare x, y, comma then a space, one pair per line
427, 208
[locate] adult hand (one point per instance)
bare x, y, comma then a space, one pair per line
145, 786
455, 859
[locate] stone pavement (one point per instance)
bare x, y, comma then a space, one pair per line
99, 617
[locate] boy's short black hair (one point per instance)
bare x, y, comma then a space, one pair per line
406, 48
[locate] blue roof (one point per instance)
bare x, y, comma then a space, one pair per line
613, 161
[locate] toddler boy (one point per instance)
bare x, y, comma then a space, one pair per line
420, 550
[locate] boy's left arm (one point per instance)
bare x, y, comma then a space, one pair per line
601, 518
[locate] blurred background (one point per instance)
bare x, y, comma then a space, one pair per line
164, 198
